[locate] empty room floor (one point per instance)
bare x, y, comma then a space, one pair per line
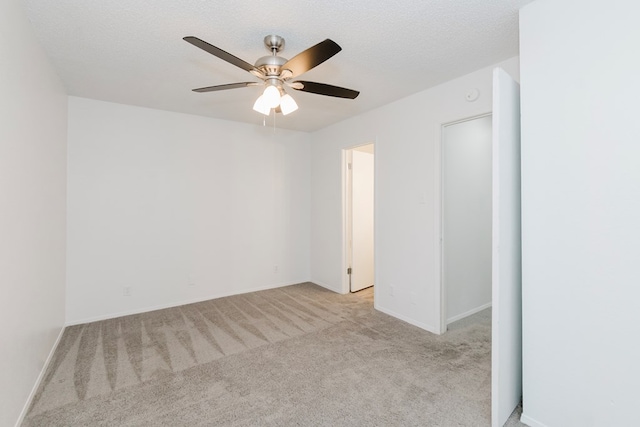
298, 355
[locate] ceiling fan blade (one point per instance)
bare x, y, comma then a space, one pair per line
325, 89
225, 56
225, 87
312, 57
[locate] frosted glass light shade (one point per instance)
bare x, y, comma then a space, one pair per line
288, 104
271, 96
261, 106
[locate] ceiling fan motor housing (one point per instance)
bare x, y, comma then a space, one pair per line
271, 64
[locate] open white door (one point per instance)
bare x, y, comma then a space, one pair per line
506, 333
362, 220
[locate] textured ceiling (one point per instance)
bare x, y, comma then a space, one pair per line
132, 52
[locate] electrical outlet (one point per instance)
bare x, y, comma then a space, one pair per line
190, 281
392, 290
126, 291
275, 268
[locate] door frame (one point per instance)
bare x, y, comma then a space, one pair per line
346, 213
440, 213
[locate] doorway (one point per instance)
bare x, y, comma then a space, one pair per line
505, 244
466, 217
359, 217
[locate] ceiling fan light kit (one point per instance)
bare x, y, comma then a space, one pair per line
271, 96
276, 73
288, 104
261, 106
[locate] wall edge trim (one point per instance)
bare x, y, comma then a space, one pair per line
428, 328
469, 313
530, 421
331, 288
179, 303
39, 379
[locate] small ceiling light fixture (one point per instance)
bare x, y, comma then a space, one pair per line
288, 104
271, 96
274, 96
261, 106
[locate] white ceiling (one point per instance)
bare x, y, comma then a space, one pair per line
132, 52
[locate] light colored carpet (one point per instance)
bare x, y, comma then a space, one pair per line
299, 355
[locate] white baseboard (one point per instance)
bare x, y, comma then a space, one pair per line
177, 304
525, 419
468, 313
420, 325
27, 404
331, 288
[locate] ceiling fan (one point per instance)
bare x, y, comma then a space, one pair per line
277, 72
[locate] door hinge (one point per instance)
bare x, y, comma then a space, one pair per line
349, 270
349, 166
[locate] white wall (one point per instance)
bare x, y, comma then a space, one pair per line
157, 200
33, 122
580, 212
407, 194
466, 264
